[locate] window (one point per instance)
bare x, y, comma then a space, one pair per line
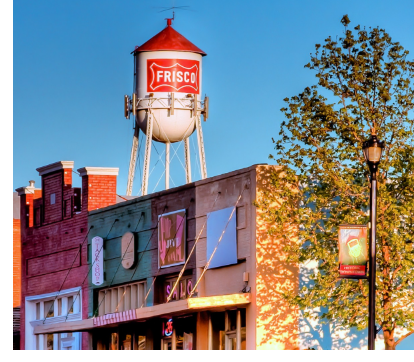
70, 305
49, 309
52, 199
182, 290
227, 330
141, 341
119, 299
114, 341
49, 342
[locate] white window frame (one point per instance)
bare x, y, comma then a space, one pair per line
229, 334
32, 340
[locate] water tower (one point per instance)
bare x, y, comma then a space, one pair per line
166, 103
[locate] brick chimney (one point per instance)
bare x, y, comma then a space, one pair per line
27, 196
98, 187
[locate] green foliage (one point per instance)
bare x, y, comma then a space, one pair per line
364, 83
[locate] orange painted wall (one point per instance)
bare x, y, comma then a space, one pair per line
16, 263
277, 324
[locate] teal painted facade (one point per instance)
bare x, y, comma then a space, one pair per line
139, 216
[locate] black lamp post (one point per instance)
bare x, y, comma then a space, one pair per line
372, 152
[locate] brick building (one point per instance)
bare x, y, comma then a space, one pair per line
16, 271
16, 250
228, 296
54, 226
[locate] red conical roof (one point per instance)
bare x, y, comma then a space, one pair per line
169, 39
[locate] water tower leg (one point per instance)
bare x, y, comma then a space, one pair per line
147, 154
167, 165
187, 160
132, 161
201, 148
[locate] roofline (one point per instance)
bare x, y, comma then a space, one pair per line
136, 51
178, 188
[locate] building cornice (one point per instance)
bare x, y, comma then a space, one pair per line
27, 189
60, 165
101, 171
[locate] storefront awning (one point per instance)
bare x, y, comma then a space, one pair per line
141, 314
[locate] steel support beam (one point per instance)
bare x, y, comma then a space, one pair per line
147, 153
132, 161
167, 165
187, 160
201, 148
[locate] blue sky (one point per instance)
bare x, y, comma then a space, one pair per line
72, 66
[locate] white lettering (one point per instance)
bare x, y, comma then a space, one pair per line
180, 76
173, 76
186, 79
167, 76
192, 78
159, 75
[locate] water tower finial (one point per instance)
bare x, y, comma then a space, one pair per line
169, 20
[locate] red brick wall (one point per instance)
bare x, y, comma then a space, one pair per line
47, 254
67, 177
98, 191
48, 251
52, 184
16, 263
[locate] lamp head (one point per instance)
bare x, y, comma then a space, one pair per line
373, 151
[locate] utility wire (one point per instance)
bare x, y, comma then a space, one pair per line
191, 253
80, 288
120, 262
218, 243
61, 287
142, 253
159, 269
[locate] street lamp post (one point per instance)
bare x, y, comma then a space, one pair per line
372, 153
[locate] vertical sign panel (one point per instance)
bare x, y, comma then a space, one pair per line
171, 238
226, 253
97, 260
353, 251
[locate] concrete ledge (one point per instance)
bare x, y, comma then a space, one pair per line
167, 310
60, 165
101, 171
64, 327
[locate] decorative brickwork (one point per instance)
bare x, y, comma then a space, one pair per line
16, 263
100, 191
51, 240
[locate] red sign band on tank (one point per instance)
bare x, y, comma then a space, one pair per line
173, 75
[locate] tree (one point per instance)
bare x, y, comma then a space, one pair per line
364, 84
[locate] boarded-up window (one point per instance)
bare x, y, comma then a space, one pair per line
218, 222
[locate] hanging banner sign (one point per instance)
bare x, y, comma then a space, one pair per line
173, 75
353, 251
97, 260
171, 238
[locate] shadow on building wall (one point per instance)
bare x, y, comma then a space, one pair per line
317, 333
276, 322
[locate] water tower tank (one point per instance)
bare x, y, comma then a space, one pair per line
166, 102
168, 71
